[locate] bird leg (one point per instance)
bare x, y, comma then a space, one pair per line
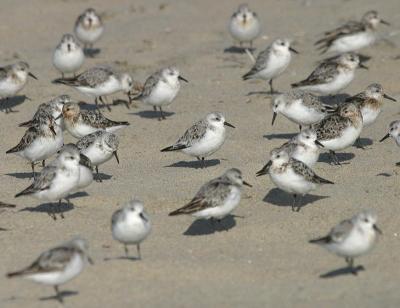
59, 209
162, 113
51, 212
334, 158
98, 178
271, 87
294, 203
104, 104
350, 263
58, 294
43, 163
300, 127
126, 250
138, 251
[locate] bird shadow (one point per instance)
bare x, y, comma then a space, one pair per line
49, 208
7, 105
119, 101
364, 142
279, 198
334, 99
91, 52
151, 114
385, 174
195, 164
79, 194
279, 136
238, 50
121, 258
61, 294
342, 157
268, 93
343, 271
21, 175
210, 226
101, 177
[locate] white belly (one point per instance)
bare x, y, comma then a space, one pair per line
219, 212
42, 148
300, 114
355, 245
80, 130
109, 87
9, 88
73, 269
244, 33
88, 36
209, 144
291, 182
339, 83
306, 155
131, 231
68, 62
85, 177
370, 115
162, 95
352, 42
346, 139
96, 155
276, 65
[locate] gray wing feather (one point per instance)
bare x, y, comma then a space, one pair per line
330, 127
88, 140
193, 134
341, 231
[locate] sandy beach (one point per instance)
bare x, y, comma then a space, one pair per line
264, 260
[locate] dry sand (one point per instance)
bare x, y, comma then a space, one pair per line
264, 259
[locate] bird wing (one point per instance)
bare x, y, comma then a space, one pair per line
261, 62
193, 134
350, 27
30, 134
341, 231
210, 195
302, 169
87, 140
324, 73
149, 85
330, 126
55, 259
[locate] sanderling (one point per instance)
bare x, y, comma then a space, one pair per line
244, 25
131, 225
352, 36
394, 132
58, 265
204, 138
161, 88
51, 108
13, 78
88, 28
80, 122
303, 147
340, 130
68, 56
351, 238
99, 81
85, 165
331, 76
217, 198
39, 142
56, 181
271, 62
370, 102
291, 175
99, 147
300, 107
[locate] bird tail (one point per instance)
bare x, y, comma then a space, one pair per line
15, 274
122, 123
14, 149
175, 147
319, 240
322, 180
66, 81
137, 97
25, 124
247, 76
176, 212
27, 191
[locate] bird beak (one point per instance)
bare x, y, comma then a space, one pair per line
183, 79
273, 118
247, 184
319, 143
143, 217
229, 124
264, 169
52, 130
116, 156
389, 97
385, 137
377, 229
33, 76
90, 260
363, 66
293, 50
385, 22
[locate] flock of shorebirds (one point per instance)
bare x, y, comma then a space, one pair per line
333, 127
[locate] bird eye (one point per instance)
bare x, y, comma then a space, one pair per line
308, 137
71, 158
277, 156
391, 129
217, 119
